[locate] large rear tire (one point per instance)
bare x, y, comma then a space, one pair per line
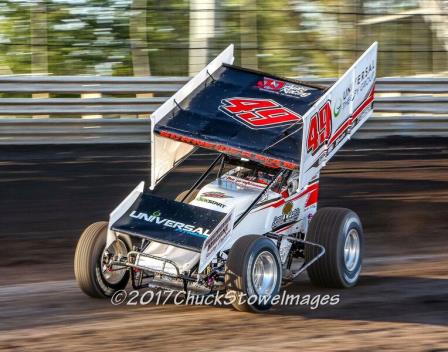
253, 270
339, 230
93, 275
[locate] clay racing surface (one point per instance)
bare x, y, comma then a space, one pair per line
398, 187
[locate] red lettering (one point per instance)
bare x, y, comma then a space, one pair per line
319, 131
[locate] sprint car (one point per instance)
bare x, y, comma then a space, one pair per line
250, 223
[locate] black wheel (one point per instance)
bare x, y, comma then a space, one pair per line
339, 230
94, 276
181, 195
253, 273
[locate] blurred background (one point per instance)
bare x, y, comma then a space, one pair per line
78, 81
178, 37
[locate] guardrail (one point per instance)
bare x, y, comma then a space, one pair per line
404, 106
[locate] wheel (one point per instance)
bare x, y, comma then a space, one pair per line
181, 195
339, 230
94, 276
253, 270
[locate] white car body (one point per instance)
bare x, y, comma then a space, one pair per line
285, 212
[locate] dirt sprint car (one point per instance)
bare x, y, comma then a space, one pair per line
250, 223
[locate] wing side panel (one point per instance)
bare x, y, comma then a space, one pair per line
339, 113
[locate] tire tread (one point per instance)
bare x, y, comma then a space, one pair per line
324, 230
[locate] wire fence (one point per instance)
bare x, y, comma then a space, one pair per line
175, 37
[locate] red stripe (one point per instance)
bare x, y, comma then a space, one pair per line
314, 195
262, 159
274, 205
313, 189
350, 120
283, 228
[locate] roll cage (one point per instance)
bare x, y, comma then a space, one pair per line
279, 178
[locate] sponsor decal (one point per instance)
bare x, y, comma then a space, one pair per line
219, 236
343, 102
365, 73
217, 239
319, 131
210, 201
258, 113
287, 209
289, 214
310, 217
156, 218
204, 197
242, 182
215, 195
363, 79
337, 108
353, 120
283, 88
271, 84
317, 135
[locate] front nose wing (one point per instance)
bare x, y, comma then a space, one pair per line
167, 221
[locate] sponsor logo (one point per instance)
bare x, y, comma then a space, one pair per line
204, 197
271, 84
258, 113
343, 102
283, 88
362, 80
217, 239
337, 108
345, 128
320, 128
156, 218
215, 195
242, 182
365, 73
289, 214
287, 209
210, 201
219, 236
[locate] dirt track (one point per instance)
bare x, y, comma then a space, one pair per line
399, 189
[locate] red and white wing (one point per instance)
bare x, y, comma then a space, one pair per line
338, 114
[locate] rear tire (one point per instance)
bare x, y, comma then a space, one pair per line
89, 265
253, 270
339, 230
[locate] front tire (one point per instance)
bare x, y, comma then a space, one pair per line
253, 273
91, 270
339, 231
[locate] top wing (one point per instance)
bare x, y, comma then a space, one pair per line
246, 114
249, 114
339, 113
